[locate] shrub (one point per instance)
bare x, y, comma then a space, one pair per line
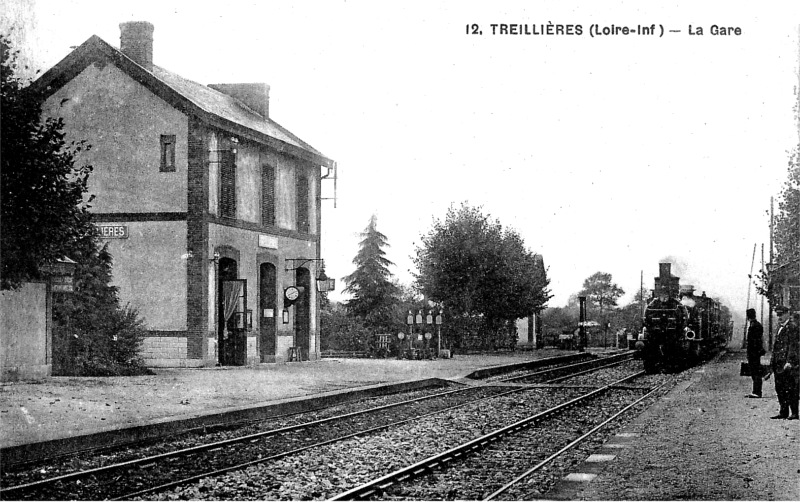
93, 335
111, 349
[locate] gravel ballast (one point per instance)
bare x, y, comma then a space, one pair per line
703, 441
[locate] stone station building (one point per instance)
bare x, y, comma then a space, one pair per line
211, 209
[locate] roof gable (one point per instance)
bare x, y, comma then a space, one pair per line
211, 106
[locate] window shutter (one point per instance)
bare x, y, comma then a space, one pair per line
167, 153
302, 204
227, 197
267, 195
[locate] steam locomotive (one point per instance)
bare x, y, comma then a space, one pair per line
680, 329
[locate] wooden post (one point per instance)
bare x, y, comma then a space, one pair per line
749, 284
769, 276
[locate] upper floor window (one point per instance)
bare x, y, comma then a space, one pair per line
267, 194
303, 223
167, 153
227, 192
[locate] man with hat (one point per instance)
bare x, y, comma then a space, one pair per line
755, 349
785, 363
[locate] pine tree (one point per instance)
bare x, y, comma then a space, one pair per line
373, 292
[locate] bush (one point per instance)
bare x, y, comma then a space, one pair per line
111, 349
340, 331
473, 333
92, 334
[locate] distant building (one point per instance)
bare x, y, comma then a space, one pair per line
211, 209
785, 281
529, 329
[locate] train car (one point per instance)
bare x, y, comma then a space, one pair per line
680, 329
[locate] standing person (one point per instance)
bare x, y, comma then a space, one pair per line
755, 349
785, 363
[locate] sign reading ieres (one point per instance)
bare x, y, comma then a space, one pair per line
113, 231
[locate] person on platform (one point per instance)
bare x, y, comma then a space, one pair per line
785, 363
755, 349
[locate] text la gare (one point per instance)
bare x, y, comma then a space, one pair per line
716, 30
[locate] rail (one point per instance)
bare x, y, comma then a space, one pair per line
378, 485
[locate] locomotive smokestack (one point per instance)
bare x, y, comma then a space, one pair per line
666, 283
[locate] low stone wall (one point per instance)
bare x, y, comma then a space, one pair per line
24, 334
167, 352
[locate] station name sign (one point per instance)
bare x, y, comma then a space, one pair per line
113, 231
62, 284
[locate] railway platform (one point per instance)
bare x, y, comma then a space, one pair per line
703, 441
69, 407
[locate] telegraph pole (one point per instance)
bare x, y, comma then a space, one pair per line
641, 295
769, 274
749, 284
762, 271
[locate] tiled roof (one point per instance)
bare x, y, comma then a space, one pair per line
191, 97
228, 107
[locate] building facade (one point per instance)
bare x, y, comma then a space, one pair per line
785, 284
211, 210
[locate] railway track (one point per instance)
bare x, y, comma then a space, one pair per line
143, 473
550, 374
154, 473
334, 468
89, 458
489, 466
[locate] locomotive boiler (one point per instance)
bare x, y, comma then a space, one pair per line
680, 329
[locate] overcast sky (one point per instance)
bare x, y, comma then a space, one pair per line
605, 153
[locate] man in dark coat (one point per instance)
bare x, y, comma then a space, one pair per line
755, 349
785, 363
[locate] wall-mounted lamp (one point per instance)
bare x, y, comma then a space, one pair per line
285, 316
324, 283
215, 258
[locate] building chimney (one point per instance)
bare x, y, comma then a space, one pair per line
136, 42
255, 96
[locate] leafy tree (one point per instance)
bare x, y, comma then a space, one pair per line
787, 219
373, 292
341, 331
628, 317
557, 320
601, 292
409, 299
786, 232
43, 211
93, 335
44, 218
482, 274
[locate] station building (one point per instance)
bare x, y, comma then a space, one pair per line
211, 209
785, 284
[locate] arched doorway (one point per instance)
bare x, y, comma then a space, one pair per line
267, 306
302, 320
231, 308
